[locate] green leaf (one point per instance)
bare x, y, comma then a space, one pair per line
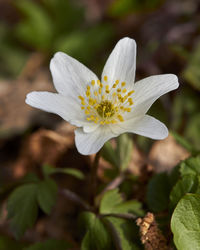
110, 199
97, 236
185, 223
190, 166
49, 245
47, 194
131, 206
36, 28
112, 202
124, 150
187, 184
109, 154
48, 170
158, 192
22, 208
124, 233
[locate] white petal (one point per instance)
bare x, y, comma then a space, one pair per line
90, 127
148, 90
55, 103
70, 77
146, 126
91, 143
121, 62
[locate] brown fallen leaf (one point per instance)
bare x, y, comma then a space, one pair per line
15, 114
166, 154
43, 147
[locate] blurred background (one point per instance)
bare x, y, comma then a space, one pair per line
167, 33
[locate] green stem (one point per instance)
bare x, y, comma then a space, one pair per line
94, 177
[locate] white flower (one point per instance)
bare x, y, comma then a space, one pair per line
104, 109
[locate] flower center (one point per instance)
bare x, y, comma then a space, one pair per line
106, 104
106, 109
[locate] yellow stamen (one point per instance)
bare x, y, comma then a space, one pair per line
131, 92
123, 84
120, 118
93, 82
105, 78
81, 98
87, 93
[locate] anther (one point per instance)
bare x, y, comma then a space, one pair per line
123, 84
105, 78
81, 98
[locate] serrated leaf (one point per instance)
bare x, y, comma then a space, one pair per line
158, 192
22, 208
110, 199
112, 202
190, 166
185, 223
124, 150
131, 206
124, 233
97, 236
47, 194
49, 245
187, 184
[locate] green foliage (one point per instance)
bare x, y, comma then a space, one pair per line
190, 166
97, 236
47, 194
184, 143
188, 184
49, 245
110, 228
12, 57
51, 26
158, 192
22, 208
109, 154
23, 204
192, 73
124, 150
120, 8
123, 232
36, 28
121, 156
81, 44
185, 223
112, 203
48, 170
186, 108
